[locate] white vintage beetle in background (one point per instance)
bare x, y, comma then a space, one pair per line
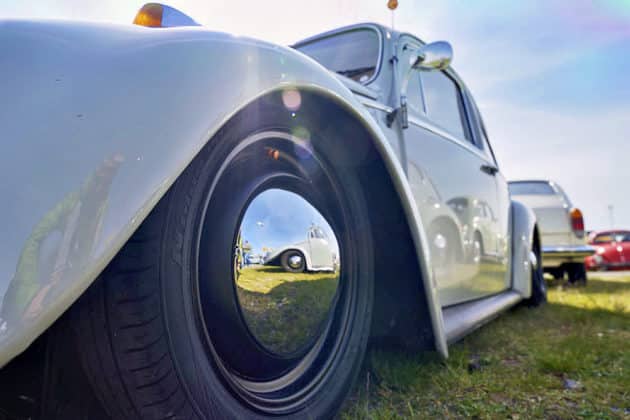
138, 159
561, 225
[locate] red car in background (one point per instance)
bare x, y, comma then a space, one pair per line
612, 250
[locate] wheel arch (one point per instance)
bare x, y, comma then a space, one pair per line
406, 308
525, 234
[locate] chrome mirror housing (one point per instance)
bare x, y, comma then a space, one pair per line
434, 56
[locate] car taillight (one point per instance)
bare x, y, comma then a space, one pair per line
577, 222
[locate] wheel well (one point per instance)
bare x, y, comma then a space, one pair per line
536, 241
401, 314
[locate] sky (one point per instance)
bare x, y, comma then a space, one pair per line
276, 219
551, 77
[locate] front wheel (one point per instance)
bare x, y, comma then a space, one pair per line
293, 261
174, 328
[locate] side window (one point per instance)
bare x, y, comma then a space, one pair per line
414, 94
444, 103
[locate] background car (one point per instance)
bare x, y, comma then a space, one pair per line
561, 227
163, 152
312, 254
612, 250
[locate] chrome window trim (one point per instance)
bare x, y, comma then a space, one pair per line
433, 128
377, 105
329, 34
468, 119
420, 44
424, 102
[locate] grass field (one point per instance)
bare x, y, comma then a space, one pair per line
568, 359
283, 310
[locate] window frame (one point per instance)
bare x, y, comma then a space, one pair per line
407, 40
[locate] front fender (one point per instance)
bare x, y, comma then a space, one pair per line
523, 231
100, 121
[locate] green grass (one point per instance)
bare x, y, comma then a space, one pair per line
516, 366
283, 310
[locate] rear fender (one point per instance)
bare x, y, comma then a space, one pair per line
523, 236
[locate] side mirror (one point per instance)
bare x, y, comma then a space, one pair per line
434, 56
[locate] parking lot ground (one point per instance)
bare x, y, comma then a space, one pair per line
568, 359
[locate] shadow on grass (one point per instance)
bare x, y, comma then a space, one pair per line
516, 366
283, 310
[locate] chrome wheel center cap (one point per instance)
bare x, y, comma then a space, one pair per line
295, 261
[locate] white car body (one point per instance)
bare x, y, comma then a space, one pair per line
316, 251
560, 243
138, 104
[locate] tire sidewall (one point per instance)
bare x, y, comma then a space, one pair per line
206, 388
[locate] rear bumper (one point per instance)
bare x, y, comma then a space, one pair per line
554, 256
578, 251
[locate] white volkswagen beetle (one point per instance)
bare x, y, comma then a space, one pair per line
136, 157
312, 254
561, 227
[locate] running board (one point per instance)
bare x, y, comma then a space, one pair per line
463, 318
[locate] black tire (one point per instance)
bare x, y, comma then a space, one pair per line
557, 273
160, 332
577, 273
286, 262
539, 285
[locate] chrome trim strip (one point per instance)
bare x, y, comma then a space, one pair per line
356, 87
432, 128
568, 251
448, 136
352, 28
376, 105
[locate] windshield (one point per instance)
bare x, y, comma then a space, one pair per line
354, 54
531, 188
609, 237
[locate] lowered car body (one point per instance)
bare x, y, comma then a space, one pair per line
129, 143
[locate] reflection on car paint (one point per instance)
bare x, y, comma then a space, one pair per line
58, 245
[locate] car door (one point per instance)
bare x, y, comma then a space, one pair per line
449, 176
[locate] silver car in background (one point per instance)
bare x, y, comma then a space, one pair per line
561, 227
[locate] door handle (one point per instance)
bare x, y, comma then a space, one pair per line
489, 169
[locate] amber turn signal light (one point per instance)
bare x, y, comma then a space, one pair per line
150, 15
155, 15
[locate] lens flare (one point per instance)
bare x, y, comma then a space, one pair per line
292, 99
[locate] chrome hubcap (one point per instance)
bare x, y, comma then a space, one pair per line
284, 307
295, 261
